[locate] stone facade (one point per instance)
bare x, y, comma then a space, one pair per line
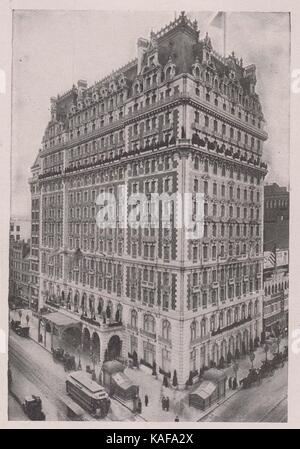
19, 277
276, 285
179, 118
276, 217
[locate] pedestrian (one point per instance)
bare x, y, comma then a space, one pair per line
234, 383
146, 400
176, 418
163, 403
167, 403
139, 407
230, 382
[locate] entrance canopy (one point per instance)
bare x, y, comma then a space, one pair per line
60, 320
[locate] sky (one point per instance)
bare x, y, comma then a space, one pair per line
54, 49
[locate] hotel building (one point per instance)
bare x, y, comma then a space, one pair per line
177, 119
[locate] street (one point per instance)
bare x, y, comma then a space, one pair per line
266, 402
35, 372
15, 410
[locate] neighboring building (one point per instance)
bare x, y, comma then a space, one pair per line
177, 119
19, 228
19, 277
276, 283
276, 217
35, 234
276, 267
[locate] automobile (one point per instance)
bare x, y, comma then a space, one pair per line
23, 331
58, 353
14, 324
32, 407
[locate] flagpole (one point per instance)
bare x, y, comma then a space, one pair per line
224, 36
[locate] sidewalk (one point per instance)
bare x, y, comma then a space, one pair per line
245, 363
33, 323
151, 386
179, 399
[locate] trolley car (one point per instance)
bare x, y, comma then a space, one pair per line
88, 394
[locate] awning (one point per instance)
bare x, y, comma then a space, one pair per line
113, 366
122, 380
61, 320
214, 375
205, 390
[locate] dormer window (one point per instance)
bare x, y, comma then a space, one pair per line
169, 73
137, 88
170, 70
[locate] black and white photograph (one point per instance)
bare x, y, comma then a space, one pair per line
149, 216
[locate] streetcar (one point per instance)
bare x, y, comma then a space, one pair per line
88, 393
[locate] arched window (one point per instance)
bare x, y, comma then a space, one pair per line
229, 317
236, 314
256, 307
212, 323
119, 312
92, 305
134, 319
100, 306
83, 303
203, 327
166, 330
109, 309
250, 309
193, 330
221, 320
197, 72
76, 301
214, 297
243, 311
149, 323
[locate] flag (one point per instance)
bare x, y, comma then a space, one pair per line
218, 19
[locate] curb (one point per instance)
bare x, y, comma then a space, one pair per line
218, 405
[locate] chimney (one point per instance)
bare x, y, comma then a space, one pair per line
142, 45
53, 108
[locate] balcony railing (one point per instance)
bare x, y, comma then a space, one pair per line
200, 339
148, 334
231, 326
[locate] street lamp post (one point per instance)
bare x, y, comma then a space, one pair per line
93, 360
235, 367
252, 357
